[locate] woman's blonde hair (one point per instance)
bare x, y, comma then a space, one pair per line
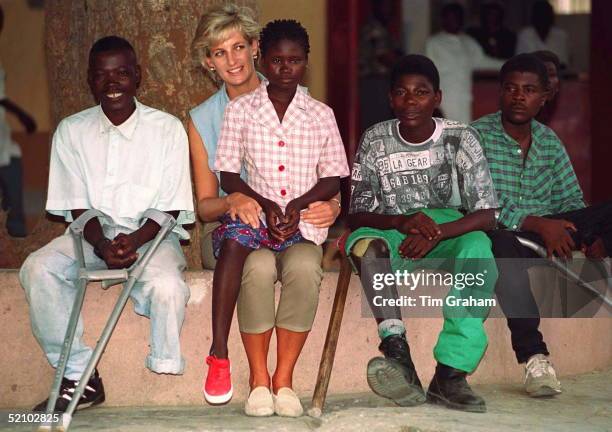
217, 23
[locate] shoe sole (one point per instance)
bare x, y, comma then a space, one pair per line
219, 400
79, 407
261, 409
544, 391
90, 404
434, 398
259, 412
387, 379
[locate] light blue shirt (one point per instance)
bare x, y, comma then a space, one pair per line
208, 119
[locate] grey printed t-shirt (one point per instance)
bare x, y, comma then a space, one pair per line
448, 170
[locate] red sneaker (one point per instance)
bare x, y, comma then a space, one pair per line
218, 385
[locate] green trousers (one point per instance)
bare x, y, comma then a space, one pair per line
462, 341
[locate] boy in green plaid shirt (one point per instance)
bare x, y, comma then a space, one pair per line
540, 199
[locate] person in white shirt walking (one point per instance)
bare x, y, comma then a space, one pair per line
543, 35
11, 170
122, 158
456, 56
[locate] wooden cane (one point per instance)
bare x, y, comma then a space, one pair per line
331, 340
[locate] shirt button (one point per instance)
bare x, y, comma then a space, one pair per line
281, 143
520, 197
514, 226
519, 151
281, 167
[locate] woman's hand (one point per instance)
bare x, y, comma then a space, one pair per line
321, 214
245, 208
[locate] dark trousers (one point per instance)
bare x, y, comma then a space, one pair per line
12, 196
513, 288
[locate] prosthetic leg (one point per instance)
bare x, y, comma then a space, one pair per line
108, 278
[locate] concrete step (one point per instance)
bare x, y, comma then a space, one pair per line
577, 346
583, 406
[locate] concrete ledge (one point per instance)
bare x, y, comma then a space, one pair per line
577, 345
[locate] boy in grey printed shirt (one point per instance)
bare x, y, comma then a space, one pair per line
448, 170
411, 177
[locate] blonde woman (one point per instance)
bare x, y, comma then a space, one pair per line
226, 44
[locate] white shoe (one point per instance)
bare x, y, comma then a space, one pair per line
540, 377
287, 404
259, 403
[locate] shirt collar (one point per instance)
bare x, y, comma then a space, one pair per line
126, 128
223, 87
538, 130
261, 96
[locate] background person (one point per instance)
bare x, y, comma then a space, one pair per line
456, 55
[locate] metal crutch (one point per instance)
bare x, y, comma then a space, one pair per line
108, 278
560, 265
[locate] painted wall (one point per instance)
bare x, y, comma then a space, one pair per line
23, 58
415, 17
312, 14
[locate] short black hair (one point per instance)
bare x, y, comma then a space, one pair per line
110, 43
542, 12
416, 64
454, 8
548, 57
283, 29
525, 63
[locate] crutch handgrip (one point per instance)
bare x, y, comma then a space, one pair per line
106, 284
107, 277
103, 275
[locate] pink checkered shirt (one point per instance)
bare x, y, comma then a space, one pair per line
282, 160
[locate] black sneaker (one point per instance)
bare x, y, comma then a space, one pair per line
92, 395
450, 388
396, 347
394, 377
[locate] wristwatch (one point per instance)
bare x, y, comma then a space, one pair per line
338, 201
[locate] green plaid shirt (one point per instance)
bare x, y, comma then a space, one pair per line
545, 184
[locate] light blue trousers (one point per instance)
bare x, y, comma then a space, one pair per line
48, 277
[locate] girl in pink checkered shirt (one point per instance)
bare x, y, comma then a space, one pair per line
290, 148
